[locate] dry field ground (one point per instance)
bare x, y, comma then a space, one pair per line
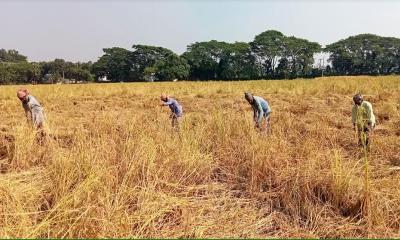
112, 166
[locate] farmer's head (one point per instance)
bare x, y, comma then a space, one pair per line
22, 94
164, 97
358, 99
249, 97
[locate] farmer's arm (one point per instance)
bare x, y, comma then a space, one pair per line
260, 112
369, 115
28, 113
254, 113
167, 103
354, 116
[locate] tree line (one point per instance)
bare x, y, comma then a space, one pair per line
15, 69
271, 55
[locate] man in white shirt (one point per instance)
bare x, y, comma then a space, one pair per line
363, 119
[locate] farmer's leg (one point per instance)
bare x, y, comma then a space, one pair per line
362, 136
366, 131
38, 122
40, 133
174, 121
268, 121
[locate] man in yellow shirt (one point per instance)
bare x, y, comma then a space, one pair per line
363, 119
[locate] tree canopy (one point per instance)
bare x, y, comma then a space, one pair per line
15, 69
271, 55
365, 54
11, 56
278, 55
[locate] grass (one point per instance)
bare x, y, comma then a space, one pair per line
112, 166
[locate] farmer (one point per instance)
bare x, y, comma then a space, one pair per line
261, 109
33, 111
363, 119
176, 109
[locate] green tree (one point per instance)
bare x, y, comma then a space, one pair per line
6, 76
283, 68
237, 62
268, 47
299, 54
79, 74
204, 59
19, 72
115, 64
58, 66
144, 56
171, 67
11, 56
365, 54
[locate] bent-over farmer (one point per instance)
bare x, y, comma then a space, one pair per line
33, 111
363, 119
261, 109
176, 109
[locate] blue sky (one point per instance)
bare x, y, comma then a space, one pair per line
78, 30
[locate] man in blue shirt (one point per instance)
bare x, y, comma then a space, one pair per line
176, 109
261, 109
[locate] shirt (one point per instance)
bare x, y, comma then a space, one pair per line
31, 104
260, 108
174, 106
363, 114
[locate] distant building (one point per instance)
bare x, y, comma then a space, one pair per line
150, 77
67, 81
103, 79
49, 78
